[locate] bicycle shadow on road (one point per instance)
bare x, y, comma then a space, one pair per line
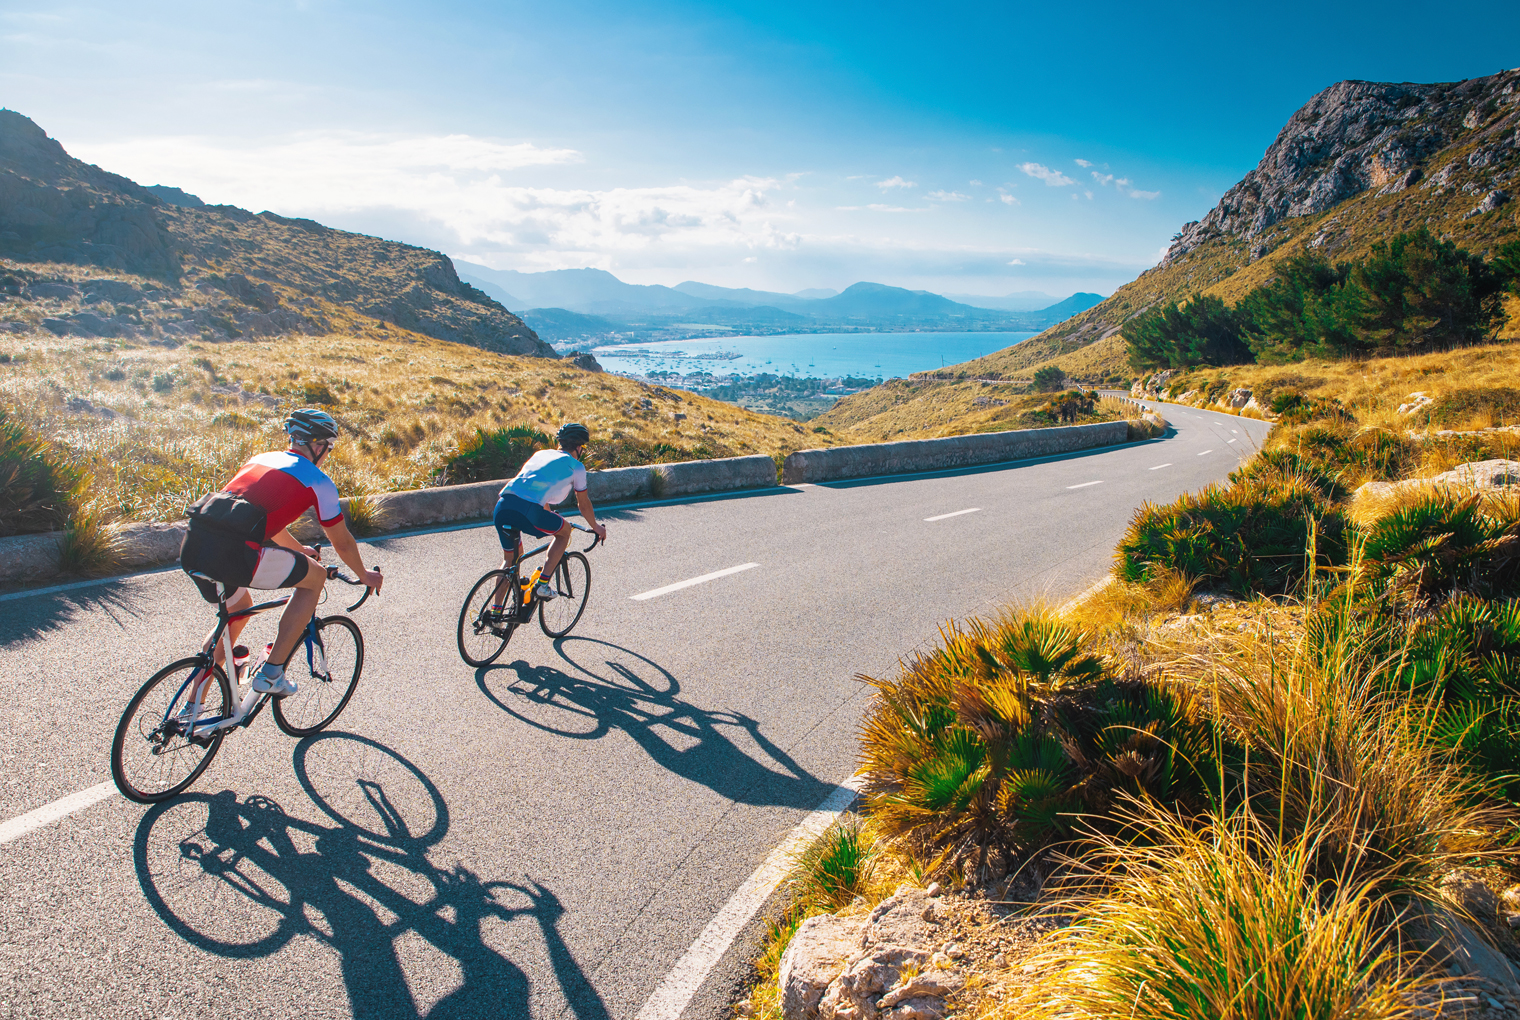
38, 615
244, 879
623, 690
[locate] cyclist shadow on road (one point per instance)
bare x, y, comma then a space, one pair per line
606, 687
243, 879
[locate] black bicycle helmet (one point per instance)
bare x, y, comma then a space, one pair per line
309, 424
573, 434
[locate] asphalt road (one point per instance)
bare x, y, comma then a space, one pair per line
544, 837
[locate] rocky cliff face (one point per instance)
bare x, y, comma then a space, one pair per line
1360, 135
1359, 163
213, 271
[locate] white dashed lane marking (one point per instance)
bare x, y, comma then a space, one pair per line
1083, 485
973, 510
688, 583
1158, 467
49, 813
1205, 453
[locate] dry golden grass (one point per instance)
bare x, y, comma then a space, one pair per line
1226, 922
929, 409
156, 426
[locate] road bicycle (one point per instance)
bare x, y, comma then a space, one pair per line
484, 632
174, 724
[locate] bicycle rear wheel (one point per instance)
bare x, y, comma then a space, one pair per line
151, 759
483, 634
324, 685
572, 580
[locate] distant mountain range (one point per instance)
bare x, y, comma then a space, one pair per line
569, 304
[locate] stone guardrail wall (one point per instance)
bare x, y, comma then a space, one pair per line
31, 558
874, 459
28, 559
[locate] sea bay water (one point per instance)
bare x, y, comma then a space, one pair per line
820, 355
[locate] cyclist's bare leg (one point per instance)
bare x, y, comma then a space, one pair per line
508, 557
557, 549
297, 614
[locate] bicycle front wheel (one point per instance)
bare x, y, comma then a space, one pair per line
483, 632
152, 759
326, 672
572, 582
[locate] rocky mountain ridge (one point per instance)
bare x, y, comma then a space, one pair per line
1357, 164
78, 241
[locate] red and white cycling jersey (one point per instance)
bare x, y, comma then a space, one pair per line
286, 485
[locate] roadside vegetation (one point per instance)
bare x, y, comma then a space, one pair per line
1270, 768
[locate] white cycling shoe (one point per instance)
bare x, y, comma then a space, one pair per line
273, 680
543, 592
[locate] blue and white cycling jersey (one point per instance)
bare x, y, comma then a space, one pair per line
547, 478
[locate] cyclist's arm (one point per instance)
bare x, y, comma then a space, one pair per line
285, 539
584, 502
348, 551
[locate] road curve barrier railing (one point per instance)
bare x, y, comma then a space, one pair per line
31, 559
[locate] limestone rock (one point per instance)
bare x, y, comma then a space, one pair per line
1417, 401
814, 958
899, 920
854, 994
586, 360
1481, 474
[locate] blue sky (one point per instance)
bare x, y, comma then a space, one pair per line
971, 148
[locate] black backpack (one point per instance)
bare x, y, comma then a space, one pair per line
230, 515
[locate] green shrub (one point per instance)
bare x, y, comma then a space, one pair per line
491, 455
1440, 544
988, 746
37, 492
1253, 537
834, 868
1202, 332
1048, 379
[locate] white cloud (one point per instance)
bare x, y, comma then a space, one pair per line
1084, 164
1007, 199
1123, 182
1146, 195
948, 196
895, 182
1054, 178
1015, 262
975, 184
893, 209
1088, 194
455, 190
1103, 179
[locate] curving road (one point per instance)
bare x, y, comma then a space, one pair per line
544, 837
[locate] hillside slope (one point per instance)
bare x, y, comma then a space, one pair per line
182, 270
1359, 162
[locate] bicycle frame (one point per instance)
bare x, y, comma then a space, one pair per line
248, 709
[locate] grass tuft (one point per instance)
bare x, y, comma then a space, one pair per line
1221, 922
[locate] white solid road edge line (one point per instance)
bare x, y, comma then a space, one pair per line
973, 510
50, 813
673, 995
688, 583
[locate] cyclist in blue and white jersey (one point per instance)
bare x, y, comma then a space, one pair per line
545, 480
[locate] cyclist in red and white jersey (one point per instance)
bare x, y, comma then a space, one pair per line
283, 485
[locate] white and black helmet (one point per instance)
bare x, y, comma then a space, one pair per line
310, 424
